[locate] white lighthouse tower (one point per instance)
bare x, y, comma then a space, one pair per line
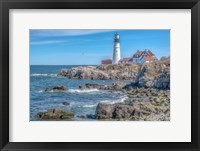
116, 52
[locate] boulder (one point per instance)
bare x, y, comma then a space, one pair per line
93, 86
118, 111
56, 89
114, 86
104, 111
56, 113
66, 103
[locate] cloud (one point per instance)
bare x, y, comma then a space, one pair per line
45, 42
55, 36
60, 32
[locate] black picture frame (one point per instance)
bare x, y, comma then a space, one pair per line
5, 5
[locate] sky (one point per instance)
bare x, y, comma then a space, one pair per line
89, 47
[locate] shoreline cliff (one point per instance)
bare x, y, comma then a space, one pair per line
102, 72
155, 74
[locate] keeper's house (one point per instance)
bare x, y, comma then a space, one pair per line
139, 57
143, 56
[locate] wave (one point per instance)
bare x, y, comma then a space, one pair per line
43, 75
73, 91
82, 91
41, 91
120, 100
90, 106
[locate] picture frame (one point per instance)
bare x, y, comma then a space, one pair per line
6, 5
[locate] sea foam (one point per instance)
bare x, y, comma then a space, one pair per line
107, 102
90, 105
120, 100
43, 75
82, 91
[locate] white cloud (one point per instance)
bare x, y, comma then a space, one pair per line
46, 42
58, 32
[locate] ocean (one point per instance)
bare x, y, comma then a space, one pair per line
82, 102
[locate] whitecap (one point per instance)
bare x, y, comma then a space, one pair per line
40, 91
120, 100
90, 106
82, 91
43, 75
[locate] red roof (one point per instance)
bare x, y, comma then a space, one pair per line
125, 59
138, 53
149, 53
106, 61
150, 58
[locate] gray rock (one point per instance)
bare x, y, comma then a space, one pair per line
153, 75
56, 113
135, 110
56, 89
66, 103
114, 86
102, 72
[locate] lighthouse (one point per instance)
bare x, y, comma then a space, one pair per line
116, 52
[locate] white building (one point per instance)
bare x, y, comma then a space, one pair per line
116, 52
143, 56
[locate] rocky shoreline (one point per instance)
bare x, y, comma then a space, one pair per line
143, 104
155, 74
102, 72
148, 93
146, 104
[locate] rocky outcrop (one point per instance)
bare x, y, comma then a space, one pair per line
66, 103
102, 72
56, 89
114, 86
56, 113
153, 75
138, 110
143, 104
